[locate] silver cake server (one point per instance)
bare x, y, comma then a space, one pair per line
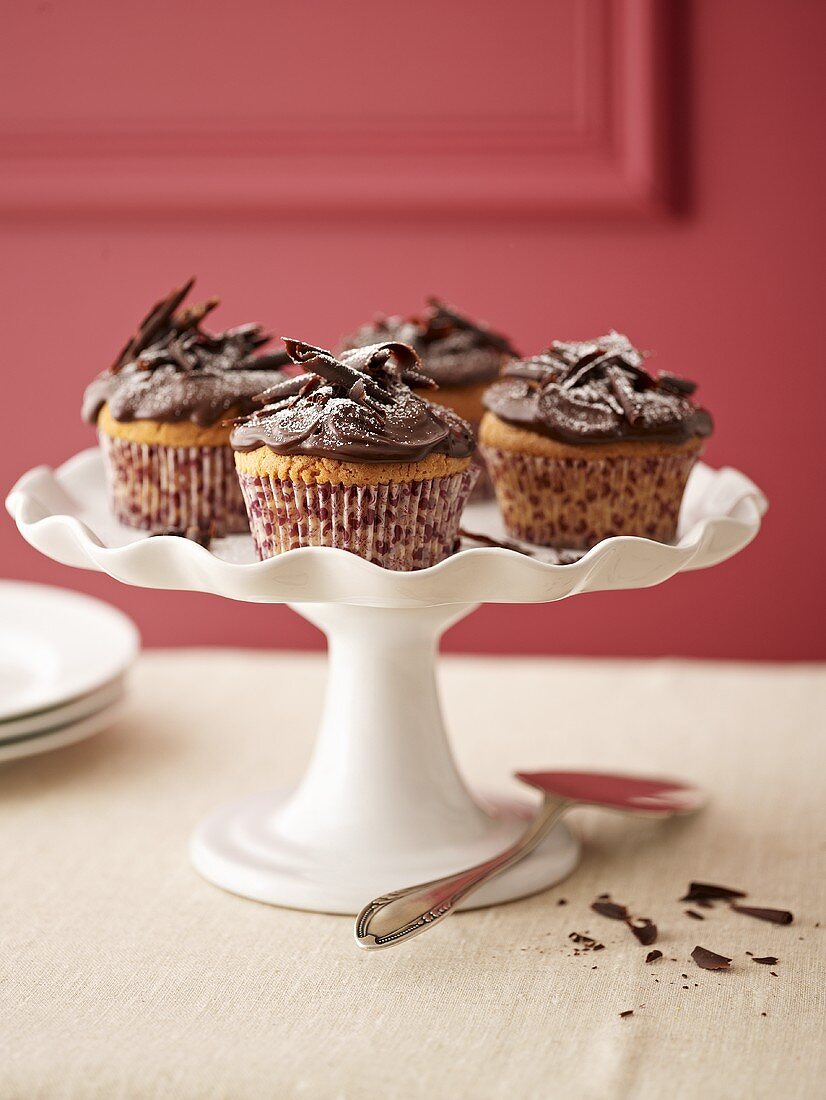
402, 914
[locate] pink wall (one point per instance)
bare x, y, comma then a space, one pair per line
556, 168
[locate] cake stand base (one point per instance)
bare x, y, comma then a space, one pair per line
239, 848
382, 804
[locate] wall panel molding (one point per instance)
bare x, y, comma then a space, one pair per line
600, 153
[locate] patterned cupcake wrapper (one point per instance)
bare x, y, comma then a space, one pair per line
159, 488
400, 525
576, 502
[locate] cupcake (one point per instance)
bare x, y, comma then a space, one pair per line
347, 455
582, 443
160, 409
463, 357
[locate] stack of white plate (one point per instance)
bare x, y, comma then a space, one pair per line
63, 659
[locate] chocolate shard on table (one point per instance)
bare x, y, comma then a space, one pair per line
644, 929
710, 960
652, 956
766, 960
774, 916
708, 891
610, 909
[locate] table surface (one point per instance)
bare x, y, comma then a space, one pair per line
122, 973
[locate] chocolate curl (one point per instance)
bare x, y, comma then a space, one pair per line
190, 317
624, 393
154, 323
398, 361
672, 383
448, 313
290, 387
271, 360
324, 363
710, 960
537, 370
774, 916
355, 366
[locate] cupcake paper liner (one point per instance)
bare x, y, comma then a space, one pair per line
159, 488
400, 525
576, 502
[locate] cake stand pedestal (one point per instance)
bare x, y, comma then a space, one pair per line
382, 803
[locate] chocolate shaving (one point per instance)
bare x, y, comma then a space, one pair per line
624, 393
202, 535
710, 960
652, 956
775, 916
497, 544
610, 909
445, 317
672, 383
171, 336
154, 323
645, 930
708, 891
693, 913
191, 316
271, 360
628, 1012
766, 960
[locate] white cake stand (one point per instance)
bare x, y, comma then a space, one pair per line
382, 803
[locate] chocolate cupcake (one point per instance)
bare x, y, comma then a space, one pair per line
463, 357
160, 412
582, 443
347, 455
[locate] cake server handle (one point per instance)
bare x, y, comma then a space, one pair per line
402, 914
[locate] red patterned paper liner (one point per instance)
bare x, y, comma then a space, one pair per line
158, 488
400, 525
576, 502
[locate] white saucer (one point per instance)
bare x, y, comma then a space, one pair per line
60, 736
65, 715
56, 646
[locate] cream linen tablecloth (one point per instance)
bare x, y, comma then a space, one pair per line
123, 974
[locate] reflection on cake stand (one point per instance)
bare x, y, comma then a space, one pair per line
382, 803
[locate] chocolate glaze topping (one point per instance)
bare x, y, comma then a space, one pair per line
454, 350
357, 406
594, 392
172, 369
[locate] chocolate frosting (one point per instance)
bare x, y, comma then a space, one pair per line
358, 406
172, 369
454, 350
597, 391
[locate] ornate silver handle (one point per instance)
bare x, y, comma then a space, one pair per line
402, 914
